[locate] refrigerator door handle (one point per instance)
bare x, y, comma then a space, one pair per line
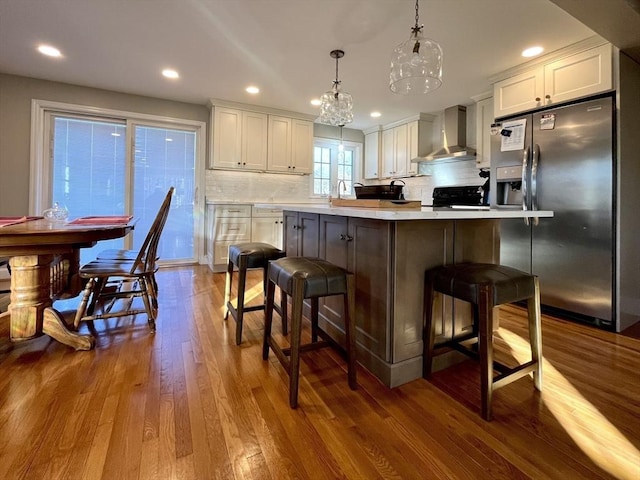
525, 181
534, 180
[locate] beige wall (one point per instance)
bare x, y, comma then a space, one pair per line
16, 94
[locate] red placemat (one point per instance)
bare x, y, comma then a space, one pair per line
6, 221
102, 220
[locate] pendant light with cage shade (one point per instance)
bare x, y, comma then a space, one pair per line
416, 65
336, 107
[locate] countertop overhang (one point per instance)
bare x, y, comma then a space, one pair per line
424, 213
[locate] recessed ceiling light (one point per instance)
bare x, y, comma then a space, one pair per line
170, 73
375, 114
316, 102
532, 51
252, 90
49, 51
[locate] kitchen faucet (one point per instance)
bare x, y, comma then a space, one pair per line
344, 187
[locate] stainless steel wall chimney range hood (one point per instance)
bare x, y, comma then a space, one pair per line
455, 138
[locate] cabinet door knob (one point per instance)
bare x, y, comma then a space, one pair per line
343, 236
548, 97
349, 238
537, 99
238, 163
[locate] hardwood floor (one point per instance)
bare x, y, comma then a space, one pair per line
188, 403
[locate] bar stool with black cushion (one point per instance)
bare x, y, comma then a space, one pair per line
312, 278
246, 256
485, 286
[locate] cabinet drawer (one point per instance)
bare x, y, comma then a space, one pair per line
266, 212
233, 211
232, 230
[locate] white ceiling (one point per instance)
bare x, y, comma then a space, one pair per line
221, 46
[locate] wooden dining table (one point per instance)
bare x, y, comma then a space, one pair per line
44, 257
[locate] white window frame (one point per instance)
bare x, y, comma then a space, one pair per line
357, 164
40, 157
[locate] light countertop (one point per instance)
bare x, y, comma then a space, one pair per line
424, 213
263, 204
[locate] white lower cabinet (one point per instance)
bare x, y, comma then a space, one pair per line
228, 224
266, 226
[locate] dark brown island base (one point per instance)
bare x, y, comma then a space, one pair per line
389, 250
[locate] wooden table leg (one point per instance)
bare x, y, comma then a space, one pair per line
55, 326
30, 310
30, 295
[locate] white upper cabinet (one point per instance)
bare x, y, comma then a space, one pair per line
400, 153
403, 142
484, 119
290, 148
519, 93
418, 143
254, 140
260, 141
388, 161
579, 75
227, 138
573, 76
301, 145
239, 139
279, 151
372, 155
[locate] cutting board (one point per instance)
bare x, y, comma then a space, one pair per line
353, 202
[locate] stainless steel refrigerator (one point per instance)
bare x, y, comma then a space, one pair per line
561, 159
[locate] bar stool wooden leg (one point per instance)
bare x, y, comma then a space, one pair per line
268, 320
265, 280
535, 334
296, 330
283, 300
283, 313
485, 340
314, 320
350, 330
227, 288
242, 283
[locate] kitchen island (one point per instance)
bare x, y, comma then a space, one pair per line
389, 250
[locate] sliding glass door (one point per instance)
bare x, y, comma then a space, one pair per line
109, 167
164, 158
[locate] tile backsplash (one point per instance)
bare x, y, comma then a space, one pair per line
222, 185
438, 174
